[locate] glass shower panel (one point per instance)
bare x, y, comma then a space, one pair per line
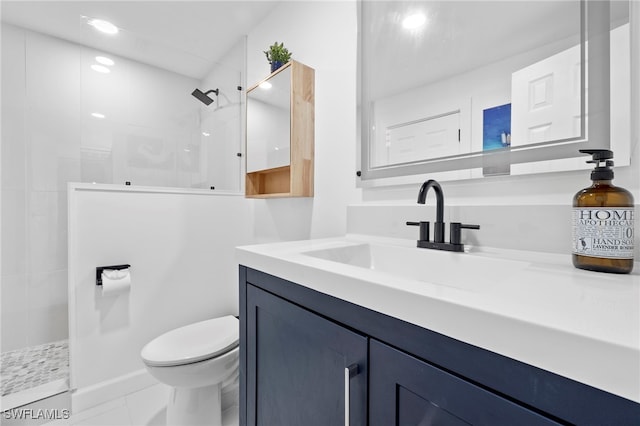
220, 138
140, 125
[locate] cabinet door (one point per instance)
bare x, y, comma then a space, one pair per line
298, 366
407, 391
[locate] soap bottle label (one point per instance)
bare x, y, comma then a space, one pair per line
603, 232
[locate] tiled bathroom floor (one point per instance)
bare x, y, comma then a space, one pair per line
31, 367
146, 407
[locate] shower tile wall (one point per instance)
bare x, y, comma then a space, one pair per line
14, 196
37, 140
49, 138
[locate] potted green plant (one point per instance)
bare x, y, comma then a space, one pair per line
277, 55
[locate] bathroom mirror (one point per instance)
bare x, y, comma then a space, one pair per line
480, 88
269, 122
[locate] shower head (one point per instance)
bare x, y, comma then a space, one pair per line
202, 96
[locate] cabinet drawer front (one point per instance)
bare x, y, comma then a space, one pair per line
407, 391
296, 364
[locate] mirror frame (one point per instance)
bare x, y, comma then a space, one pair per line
595, 39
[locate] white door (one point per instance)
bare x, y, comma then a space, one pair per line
545, 102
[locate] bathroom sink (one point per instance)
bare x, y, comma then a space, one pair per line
529, 306
434, 266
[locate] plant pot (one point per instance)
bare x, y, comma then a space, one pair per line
275, 65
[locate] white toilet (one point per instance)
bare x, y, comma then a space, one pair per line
198, 361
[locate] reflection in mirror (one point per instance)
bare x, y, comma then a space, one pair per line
268, 130
482, 88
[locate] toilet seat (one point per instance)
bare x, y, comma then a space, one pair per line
193, 343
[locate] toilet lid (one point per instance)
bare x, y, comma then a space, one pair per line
193, 343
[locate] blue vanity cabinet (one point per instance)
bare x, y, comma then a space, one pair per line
404, 390
295, 344
300, 366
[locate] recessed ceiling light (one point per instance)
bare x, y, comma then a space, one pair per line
103, 26
265, 85
206, 134
413, 21
100, 68
105, 61
97, 115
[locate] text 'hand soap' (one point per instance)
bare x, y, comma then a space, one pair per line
603, 218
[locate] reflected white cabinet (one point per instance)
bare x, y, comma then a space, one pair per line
280, 134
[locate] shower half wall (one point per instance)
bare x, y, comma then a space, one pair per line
64, 122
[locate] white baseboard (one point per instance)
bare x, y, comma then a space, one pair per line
90, 396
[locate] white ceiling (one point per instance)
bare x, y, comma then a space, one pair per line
187, 37
190, 37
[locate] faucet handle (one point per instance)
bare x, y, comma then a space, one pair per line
424, 229
455, 231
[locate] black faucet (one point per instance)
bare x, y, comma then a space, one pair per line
455, 228
438, 227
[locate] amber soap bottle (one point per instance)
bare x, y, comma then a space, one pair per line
603, 218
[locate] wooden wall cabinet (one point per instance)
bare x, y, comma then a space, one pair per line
292, 178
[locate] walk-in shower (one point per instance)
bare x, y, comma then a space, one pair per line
92, 128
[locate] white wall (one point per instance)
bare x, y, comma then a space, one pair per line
180, 248
321, 35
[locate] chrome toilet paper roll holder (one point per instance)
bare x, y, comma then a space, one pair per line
100, 269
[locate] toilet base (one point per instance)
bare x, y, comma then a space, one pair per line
195, 406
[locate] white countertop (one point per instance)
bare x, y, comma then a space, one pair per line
533, 307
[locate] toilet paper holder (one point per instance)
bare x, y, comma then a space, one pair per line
99, 270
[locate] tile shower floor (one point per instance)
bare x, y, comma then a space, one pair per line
34, 367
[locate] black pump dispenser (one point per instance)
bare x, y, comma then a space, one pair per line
599, 156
